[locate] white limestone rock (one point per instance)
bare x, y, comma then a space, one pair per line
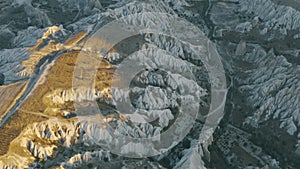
273, 88
153, 98
276, 17
59, 96
190, 160
93, 131
90, 130
28, 37
134, 7
10, 64
40, 151
86, 157
265, 15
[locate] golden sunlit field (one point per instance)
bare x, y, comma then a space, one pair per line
37, 108
8, 96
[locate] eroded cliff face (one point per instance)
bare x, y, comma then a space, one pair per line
258, 41
65, 130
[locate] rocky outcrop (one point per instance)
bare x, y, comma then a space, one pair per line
28, 37
264, 16
71, 10
39, 141
10, 65
274, 17
88, 157
271, 88
174, 76
191, 159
